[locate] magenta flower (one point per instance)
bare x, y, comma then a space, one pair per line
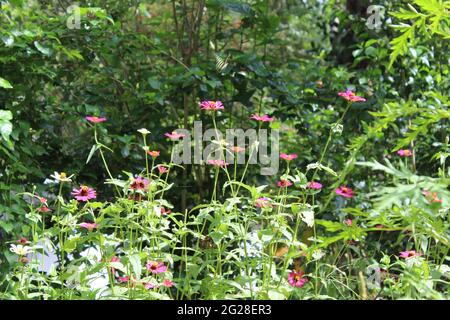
156, 267
217, 163
95, 119
84, 193
349, 95
264, 118
174, 136
348, 222
89, 226
162, 169
167, 283
409, 254
149, 286
404, 153
211, 105
139, 184
314, 185
288, 157
124, 279
284, 183
263, 203
345, 192
295, 279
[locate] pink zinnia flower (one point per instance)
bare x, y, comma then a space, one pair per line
165, 211
211, 105
95, 119
139, 184
124, 279
156, 267
284, 183
263, 203
404, 153
217, 163
345, 192
44, 209
162, 169
431, 196
89, 226
295, 279
149, 286
84, 193
351, 96
264, 118
43, 201
174, 136
237, 149
409, 254
288, 157
314, 185
348, 222
167, 283
153, 154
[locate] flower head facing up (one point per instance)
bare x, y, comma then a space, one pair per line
217, 163
288, 157
150, 286
156, 267
284, 183
237, 149
153, 154
263, 203
61, 177
404, 153
264, 118
345, 192
139, 184
295, 279
348, 222
20, 250
409, 254
44, 209
174, 135
314, 185
124, 279
167, 283
89, 226
349, 95
94, 119
84, 193
432, 197
144, 131
211, 105
162, 169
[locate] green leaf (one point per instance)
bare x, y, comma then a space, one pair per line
5, 84
91, 153
135, 262
44, 50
